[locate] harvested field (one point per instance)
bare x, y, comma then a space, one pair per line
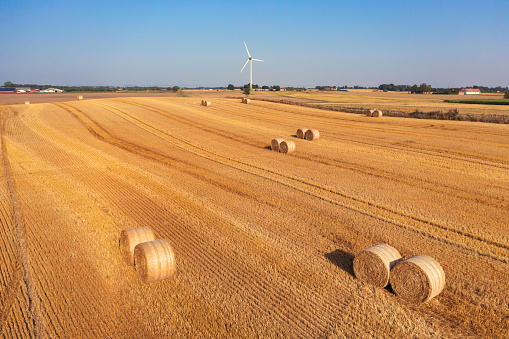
264, 243
391, 101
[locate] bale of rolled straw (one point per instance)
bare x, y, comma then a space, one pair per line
154, 260
27, 102
203, 102
79, 97
377, 113
246, 100
130, 238
312, 134
287, 146
373, 265
206, 103
301, 132
418, 279
369, 112
275, 144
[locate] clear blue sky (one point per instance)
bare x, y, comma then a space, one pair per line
303, 43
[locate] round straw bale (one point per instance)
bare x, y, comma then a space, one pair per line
130, 238
27, 102
154, 260
79, 97
206, 103
287, 146
246, 100
276, 144
301, 132
373, 265
312, 134
377, 113
418, 279
369, 112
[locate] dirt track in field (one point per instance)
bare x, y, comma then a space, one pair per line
264, 241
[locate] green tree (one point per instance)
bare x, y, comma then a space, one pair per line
276, 87
246, 91
175, 89
506, 95
230, 87
9, 84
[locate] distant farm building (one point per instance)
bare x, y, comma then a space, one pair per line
22, 89
469, 91
52, 90
7, 90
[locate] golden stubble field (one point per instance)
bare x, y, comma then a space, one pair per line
264, 241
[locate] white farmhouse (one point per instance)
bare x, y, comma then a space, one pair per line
465, 91
52, 90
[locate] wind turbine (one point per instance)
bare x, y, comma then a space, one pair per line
251, 68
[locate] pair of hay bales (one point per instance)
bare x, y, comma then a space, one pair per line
417, 279
206, 103
246, 100
79, 97
283, 146
308, 134
374, 113
27, 102
153, 259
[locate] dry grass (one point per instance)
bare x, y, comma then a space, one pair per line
264, 243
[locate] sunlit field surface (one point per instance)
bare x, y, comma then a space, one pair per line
264, 241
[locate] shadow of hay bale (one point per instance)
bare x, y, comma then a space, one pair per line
342, 259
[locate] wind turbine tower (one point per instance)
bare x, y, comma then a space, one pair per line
250, 60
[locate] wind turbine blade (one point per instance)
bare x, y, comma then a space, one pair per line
249, 55
257, 60
244, 66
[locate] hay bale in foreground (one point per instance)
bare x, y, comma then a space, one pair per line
130, 238
27, 102
276, 144
369, 112
373, 265
246, 100
287, 146
301, 133
154, 260
377, 113
206, 103
312, 134
418, 279
79, 97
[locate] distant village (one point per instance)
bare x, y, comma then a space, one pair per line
463, 91
29, 90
